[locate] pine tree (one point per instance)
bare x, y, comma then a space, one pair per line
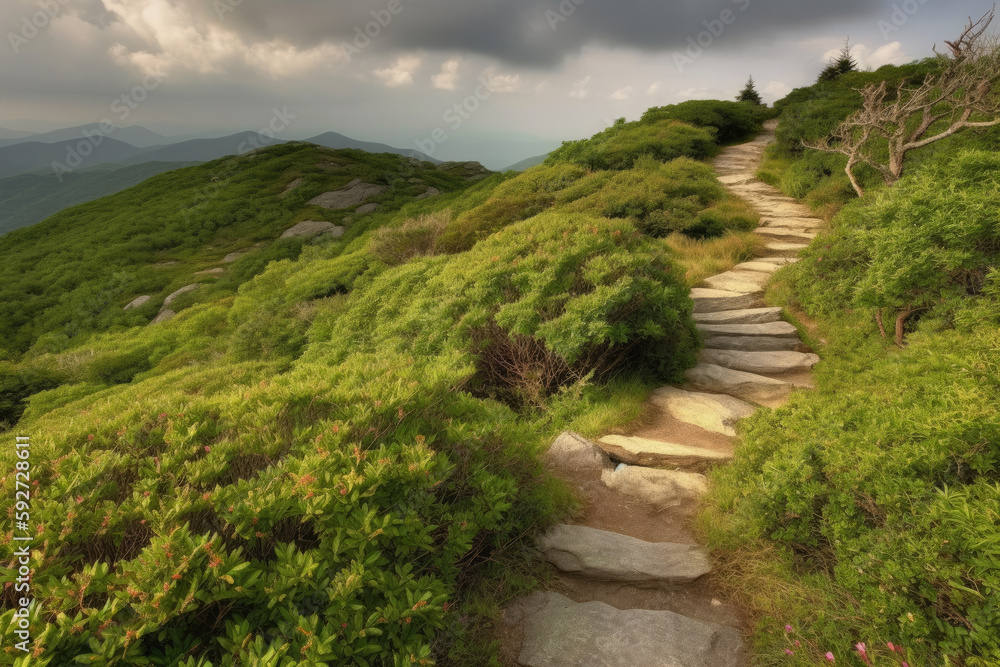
843, 63
750, 94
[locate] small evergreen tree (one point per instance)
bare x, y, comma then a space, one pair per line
750, 94
843, 63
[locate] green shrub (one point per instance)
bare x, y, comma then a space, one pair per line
415, 237
623, 144
733, 121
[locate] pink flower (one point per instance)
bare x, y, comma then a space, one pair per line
891, 647
789, 651
797, 643
829, 656
788, 628
207, 448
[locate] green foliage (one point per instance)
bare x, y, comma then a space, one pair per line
621, 145
842, 63
926, 244
749, 94
732, 121
415, 237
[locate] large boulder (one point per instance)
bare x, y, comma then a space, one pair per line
713, 412
571, 452
313, 228
137, 303
659, 488
353, 194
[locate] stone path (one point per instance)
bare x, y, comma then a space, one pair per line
634, 589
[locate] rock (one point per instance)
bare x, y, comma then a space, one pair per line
606, 556
209, 272
747, 386
744, 282
231, 257
748, 316
752, 343
294, 184
561, 633
763, 267
785, 232
184, 290
780, 261
367, 208
646, 452
166, 263
430, 192
662, 489
352, 194
163, 316
472, 171
713, 300
314, 228
573, 453
775, 329
760, 362
137, 303
795, 222
713, 412
780, 246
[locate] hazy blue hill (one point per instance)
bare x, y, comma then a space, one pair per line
134, 134
204, 150
526, 163
337, 140
27, 199
13, 135
33, 155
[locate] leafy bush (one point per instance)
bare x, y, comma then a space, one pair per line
415, 237
733, 121
621, 145
924, 245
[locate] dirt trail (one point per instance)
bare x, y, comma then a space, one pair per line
634, 589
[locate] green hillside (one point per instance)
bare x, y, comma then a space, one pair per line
328, 456
30, 198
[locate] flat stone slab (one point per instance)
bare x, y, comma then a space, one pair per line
780, 261
785, 232
210, 272
713, 300
163, 316
561, 633
713, 412
173, 297
743, 282
232, 257
646, 452
313, 228
751, 343
760, 362
762, 267
367, 208
747, 386
781, 246
137, 303
574, 453
775, 329
606, 556
795, 222
353, 194
746, 316
660, 488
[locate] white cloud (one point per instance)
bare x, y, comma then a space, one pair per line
653, 89
447, 79
176, 40
400, 73
580, 91
776, 89
501, 83
622, 93
887, 54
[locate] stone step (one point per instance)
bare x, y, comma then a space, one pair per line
782, 246
606, 556
752, 343
811, 223
570, 452
746, 316
785, 232
760, 362
646, 452
761, 267
662, 489
746, 386
713, 300
775, 329
744, 282
561, 633
713, 412
780, 261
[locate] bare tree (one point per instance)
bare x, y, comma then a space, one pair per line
962, 94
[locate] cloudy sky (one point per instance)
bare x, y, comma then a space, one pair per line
499, 79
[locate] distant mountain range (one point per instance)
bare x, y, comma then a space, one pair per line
526, 163
43, 173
